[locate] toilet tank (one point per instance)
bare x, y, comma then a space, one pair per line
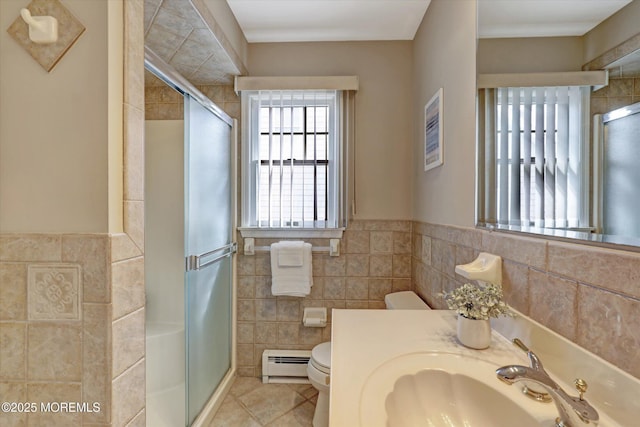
405, 300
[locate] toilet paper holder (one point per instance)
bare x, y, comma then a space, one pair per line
315, 317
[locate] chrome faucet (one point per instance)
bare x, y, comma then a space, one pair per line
574, 411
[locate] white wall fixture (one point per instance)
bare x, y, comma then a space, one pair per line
249, 246
46, 29
315, 317
334, 247
486, 268
42, 29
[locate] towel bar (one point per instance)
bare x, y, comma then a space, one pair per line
333, 249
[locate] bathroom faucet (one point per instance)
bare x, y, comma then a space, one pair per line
574, 411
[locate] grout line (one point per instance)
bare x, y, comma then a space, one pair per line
248, 412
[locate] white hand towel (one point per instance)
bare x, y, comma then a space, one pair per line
291, 280
291, 253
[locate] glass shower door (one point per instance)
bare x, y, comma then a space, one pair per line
209, 249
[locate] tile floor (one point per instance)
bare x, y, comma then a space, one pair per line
250, 403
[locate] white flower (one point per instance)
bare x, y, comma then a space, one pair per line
477, 302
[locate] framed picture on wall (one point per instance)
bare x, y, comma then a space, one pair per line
433, 142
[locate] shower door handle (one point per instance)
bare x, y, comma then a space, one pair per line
197, 262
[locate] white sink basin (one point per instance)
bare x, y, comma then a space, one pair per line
445, 390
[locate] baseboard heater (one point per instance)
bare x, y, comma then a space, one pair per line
285, 366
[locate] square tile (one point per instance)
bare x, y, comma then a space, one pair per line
54, 292
268, 402
54, 392
231, 413
69, 30
300, 416
13, 347
13, 291
54, 351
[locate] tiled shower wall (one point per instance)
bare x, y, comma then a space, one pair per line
164, 103
588, 294
375, 259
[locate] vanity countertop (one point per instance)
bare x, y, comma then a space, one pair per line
363, 340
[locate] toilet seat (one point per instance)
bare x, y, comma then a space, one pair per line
321, 357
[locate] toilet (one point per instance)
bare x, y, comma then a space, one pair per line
319, 366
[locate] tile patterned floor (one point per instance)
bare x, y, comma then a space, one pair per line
253, 404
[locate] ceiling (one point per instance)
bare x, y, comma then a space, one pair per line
328, 20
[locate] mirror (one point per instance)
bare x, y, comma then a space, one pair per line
507, 45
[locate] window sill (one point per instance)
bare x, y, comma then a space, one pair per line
291, 233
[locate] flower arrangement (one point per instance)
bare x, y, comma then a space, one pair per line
477, 302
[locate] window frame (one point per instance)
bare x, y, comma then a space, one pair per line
251, 162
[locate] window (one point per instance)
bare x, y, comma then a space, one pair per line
535, 156
294, 159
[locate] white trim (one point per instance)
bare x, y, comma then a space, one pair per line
296, 83
291, 233
568, 78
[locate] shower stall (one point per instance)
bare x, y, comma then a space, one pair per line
189, 262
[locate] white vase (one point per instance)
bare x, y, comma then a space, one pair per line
474, 333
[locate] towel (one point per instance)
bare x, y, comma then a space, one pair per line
291, 253
291, 273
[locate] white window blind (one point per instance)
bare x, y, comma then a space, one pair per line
534, 154
294, 158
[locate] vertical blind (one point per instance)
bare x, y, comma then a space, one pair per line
295, 147
296, 156
533, 155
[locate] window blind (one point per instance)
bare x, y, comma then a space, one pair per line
295, 158
533, 155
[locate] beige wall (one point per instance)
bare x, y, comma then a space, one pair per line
383, 114
613, 31
529, 55
54, 130
444, 57
550, 54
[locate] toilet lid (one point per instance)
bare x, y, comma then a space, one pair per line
321, 355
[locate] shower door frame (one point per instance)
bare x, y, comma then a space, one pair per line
175, 80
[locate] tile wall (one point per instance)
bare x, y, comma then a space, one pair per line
72, 327
55, 312
620, 92
588, 294
127, 381
375, 260
164, 103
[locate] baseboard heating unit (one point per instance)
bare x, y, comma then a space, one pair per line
285, 366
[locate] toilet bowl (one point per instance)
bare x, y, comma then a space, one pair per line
318, 370
319, 366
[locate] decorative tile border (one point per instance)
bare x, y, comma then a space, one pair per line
54, 291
